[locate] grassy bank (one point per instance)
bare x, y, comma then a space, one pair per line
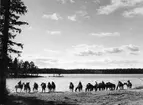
119, 97
20, 100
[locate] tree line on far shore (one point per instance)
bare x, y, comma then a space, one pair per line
20, 68
91, 71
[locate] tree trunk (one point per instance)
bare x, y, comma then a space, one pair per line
4, 55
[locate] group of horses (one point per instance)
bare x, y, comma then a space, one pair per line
101, 86
89, 87
26, 86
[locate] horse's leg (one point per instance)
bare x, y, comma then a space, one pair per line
117, 87
16, 90
75, 89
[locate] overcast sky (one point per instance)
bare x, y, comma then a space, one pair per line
83, 33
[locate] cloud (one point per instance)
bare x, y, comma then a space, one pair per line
72, 18
79, 14
133, 12
53, 16
132, 47
105, 34
113, 50
134, 53
89, 53
117, 4
97, 50
65, 1
53, 32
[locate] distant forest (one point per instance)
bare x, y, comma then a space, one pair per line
20, 68
91, 71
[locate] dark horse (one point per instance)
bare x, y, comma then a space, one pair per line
19, 86
53, 86
101, 86
43, 85
71, 86
79, 87
120, 85
128, 84
89, 87
110, 86
27, 87
95, 86
35, 86
49, 86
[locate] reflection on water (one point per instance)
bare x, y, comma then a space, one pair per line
62, 83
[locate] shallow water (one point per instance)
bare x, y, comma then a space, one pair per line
62, 83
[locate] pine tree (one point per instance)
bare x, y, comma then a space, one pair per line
10, 12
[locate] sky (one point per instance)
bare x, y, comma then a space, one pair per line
94, 34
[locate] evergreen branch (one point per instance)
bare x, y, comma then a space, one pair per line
11, 50
14, 43
15, 29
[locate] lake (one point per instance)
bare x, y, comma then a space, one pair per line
62, 83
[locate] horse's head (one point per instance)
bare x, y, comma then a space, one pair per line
129, 81
119, 82
103, 82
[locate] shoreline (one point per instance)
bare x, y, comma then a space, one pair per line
117, 97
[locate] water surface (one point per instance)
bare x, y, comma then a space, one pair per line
62, 83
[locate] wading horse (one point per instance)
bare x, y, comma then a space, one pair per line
19, 86
35, 86
49, 86
128, 84
27, 87
79, 87
43, 85
53, 86
71, 86
120, 85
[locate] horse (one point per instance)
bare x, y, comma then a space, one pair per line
128, 84
43, 85
49, 86
110, 86
101, 86
27, 87
35, 86
19, 86
71, 86
53, 86
120, 85
79, 87
95, 86
89, 87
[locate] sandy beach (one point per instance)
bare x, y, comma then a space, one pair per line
117, 97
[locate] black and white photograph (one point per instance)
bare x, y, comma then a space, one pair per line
71, 52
